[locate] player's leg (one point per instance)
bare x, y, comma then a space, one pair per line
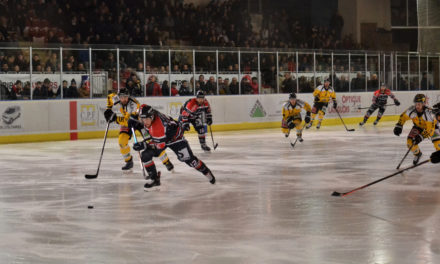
147, 160
321, 114
379, 114
314, 112
370, 111
412, 142
201, 131
185, 154
436, 138
299, 128
124, 137
166, 161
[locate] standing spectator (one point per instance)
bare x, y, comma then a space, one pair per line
201, 83
184, 89
210, 87
174, 90
373, 83
246, 87
39, 92
254, 85
152, 87
165, 88
234, 87
358, 83
72, 91
288, 85
84, 91
224, 87
62, 88
46, 87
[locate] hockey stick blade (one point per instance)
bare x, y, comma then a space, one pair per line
336, 194
91, 176
215, 146
351, 130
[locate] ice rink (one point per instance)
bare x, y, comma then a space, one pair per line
271, 203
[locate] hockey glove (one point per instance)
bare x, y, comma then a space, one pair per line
134, 123
397, 102
209, 119
307, 118
397, 130
185, 126
109, 115
139, 146
425, 133
435, 157
316, 98
335, 104
417, 139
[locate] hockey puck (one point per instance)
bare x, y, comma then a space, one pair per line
90, 206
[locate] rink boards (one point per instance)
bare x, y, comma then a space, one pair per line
49, 120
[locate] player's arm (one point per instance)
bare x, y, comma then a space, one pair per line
316, 95
333, 96
308, 112
208, 113
109, 115
390, 94
399, 126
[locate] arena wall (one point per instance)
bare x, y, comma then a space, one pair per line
48, 120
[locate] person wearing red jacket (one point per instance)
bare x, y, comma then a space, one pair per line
152, 87
380, 98
197, 111
163, 132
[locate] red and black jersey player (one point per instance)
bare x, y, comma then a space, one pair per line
197, 111
164, 132
380, 99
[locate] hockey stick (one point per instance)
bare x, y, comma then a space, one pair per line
370, 106
381, 179
404, 157
351, 129
296, 140
94, 176
140, 159
212, 137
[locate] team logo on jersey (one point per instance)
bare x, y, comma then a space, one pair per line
258, 110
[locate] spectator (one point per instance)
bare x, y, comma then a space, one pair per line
224, 87
72, 91
152, 87
17, 91
210, 86
63, 88
46, 86
184, 89
373, 83
165, 88
174, 90
83, 91
40, 92
234, 86
134, 85
358, 83
246, 87
254, 85
288, 85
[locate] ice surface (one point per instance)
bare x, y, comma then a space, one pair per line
271, 204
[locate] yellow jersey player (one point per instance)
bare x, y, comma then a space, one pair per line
323, 94
292, 116
128, 107
425, 126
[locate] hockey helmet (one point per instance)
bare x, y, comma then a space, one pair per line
200, 94
382, 84
292, 96
420, 98
146, 111
328, 80
123, 92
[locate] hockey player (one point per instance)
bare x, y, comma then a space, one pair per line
292, 116
323, 94
436, 111
164, 132
197, 111
129, 107
425, 125
380, 98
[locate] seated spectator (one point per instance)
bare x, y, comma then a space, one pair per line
246, 87
373, 83
72, 91
174, 90
184, 89
201, 83
234, 87
40, 91
17, 90
358, 83
344, 86
152, 88
83, 91
210, 86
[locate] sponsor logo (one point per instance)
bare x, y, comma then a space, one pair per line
11, 118
257, 110
88, 115
174, 109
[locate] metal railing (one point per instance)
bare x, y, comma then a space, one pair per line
100, 70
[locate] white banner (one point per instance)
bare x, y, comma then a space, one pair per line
12, 119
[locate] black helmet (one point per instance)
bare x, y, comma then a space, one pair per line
382, 84
200, 94
420, 98
292, 96
328, 80
146, 111
123, 92
436, 109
